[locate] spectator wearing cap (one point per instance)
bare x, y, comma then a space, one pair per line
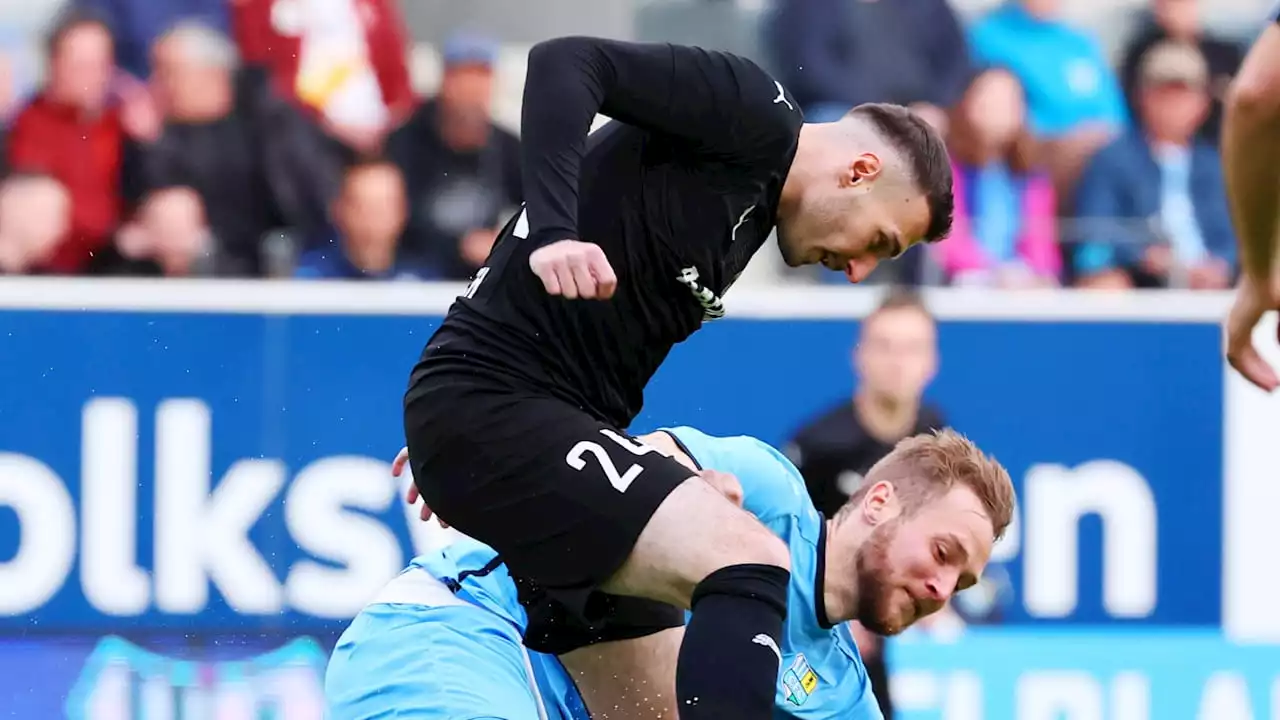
346, 61
462, 171
1181, 20
71, 131
1153, 204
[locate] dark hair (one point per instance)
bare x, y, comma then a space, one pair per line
73, 18
926, 155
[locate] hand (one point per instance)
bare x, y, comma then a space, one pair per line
140, 115
574, 269
1212, 274
1252, 300
725, 483
1158, 260
475, 246
412, 496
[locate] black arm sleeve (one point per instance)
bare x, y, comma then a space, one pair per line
723, 106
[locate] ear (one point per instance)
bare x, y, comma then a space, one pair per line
864, 168
880, 503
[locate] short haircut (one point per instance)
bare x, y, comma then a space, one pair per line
70, 19
925, 153
202, 43
925, 467
902, 298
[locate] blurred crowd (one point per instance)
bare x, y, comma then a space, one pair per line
251, 138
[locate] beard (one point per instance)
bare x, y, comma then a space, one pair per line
876, 610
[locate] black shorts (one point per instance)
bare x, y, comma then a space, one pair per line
561, 496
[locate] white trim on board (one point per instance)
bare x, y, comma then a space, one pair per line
284, 297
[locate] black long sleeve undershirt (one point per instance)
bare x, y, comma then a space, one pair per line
723, 106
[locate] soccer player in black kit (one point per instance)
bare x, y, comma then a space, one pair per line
1251, 166
515, 416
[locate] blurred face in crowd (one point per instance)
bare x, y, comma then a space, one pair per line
466, 100
993, 112
189, 87
897, 355
909, 563
370, 214
174, 223
81, 67
35, 213
1179, 18
1171, 111
1043, 9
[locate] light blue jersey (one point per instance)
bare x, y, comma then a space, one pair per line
443, 641
821, 676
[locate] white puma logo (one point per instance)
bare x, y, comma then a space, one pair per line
768, 642
782, 96
733, 234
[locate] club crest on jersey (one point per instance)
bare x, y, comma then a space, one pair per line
712, 305
799, 681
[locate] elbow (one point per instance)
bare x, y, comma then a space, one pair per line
1255, 95
553, 53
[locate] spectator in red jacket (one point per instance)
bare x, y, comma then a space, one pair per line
344, 59
72, 133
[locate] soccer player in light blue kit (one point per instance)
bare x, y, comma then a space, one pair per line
443, 640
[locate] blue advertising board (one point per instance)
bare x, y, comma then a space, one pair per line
996, 675
202, 467
1121, 674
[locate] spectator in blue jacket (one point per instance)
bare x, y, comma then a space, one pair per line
1151, 207
834, 54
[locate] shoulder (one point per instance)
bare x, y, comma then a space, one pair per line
771, 484
1122, 151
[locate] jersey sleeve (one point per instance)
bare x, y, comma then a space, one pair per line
723, 107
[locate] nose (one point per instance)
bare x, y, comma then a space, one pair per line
941, 586
858, 270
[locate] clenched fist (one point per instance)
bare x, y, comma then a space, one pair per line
574, 269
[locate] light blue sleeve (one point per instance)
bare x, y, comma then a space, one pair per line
773, 489
1114, 110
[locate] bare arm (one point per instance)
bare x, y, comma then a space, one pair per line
1251, 156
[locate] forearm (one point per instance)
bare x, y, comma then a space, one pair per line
1251, 156
564, 90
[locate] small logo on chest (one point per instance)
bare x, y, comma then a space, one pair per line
799, 681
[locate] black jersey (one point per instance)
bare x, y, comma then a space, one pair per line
679, 191
835, 451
